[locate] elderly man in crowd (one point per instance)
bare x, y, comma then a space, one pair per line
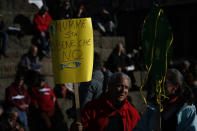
111, 111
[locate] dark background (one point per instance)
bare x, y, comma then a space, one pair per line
129, 16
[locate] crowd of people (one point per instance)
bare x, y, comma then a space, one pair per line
105, 103
33, 107
113, 111
31, 104
29, 101
103, 16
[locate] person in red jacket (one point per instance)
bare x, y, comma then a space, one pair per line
41, 22
17, 96
111, 112
43, 99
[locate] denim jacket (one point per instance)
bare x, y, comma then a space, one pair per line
186, 119
92, 89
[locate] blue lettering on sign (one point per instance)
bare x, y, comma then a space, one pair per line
71, 65
52, 29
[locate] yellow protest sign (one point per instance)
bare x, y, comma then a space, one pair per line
72, 50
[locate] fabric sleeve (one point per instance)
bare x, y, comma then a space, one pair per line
187, 120
53, 95
49, 17
37, 23
27, 98
86, 115
135, 117
9, 95
10, 100
24, 62
85, 93
147, 121
34, 97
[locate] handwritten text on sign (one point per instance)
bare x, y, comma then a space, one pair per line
72, 50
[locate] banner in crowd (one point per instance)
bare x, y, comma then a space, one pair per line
157, 39
72, 50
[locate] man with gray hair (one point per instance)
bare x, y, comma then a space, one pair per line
112, 111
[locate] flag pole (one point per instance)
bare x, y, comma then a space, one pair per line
76, 87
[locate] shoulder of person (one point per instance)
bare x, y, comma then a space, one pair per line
132, 108
12, 85
95, 104
187, 110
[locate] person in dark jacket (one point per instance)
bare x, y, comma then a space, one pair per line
64, 11
179, 113
30, 61
191, 78
30, 65
117, 59
81, 11
3, 38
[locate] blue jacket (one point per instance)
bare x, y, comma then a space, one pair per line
186, 119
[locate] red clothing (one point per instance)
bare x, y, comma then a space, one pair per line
95, 115
42, 23
43, 97
16, 96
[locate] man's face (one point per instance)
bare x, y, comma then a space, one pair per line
42, 83
120, 90
20, 82
67, 5
15, 113
1, 111
171, 88
63, 90
120, 47
35, 51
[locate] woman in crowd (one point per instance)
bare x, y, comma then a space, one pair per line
179, 113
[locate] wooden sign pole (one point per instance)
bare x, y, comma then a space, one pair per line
78, 116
